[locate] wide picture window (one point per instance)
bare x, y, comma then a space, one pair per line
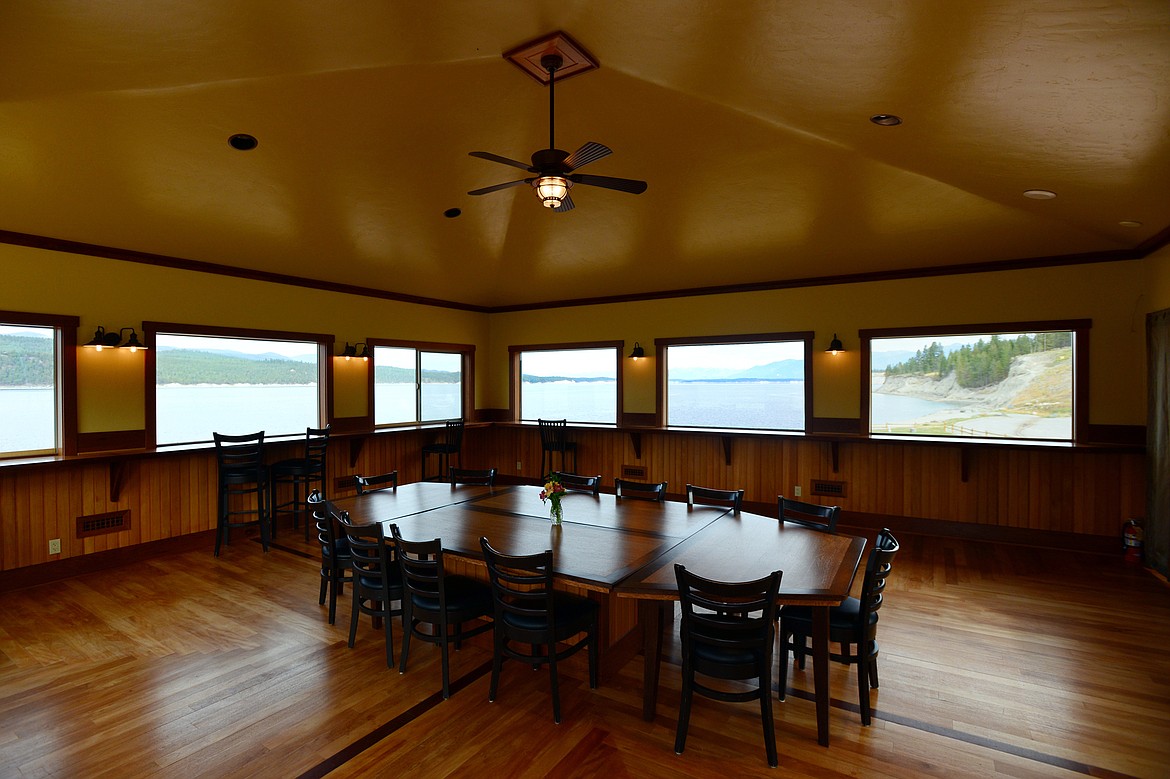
974, 385
28, 390
220, 384
757, 385
579, 385
416, 385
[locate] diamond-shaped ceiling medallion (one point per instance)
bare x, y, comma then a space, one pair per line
527, 57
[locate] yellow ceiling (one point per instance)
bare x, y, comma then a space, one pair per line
749, 120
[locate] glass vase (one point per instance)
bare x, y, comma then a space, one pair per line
557, 513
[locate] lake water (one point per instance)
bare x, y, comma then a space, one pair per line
189, 413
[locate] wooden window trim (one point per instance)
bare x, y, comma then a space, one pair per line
515, 351
65, 337
467, 366
1078, 327
151, 330
660, 344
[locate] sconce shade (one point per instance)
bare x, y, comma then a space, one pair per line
637, 351
350, 351
363, 351
132, 343
101, 339
835, 345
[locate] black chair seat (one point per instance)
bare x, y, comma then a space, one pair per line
340, 549
243, 475
462, 595
374, 582
296, 467
572, 612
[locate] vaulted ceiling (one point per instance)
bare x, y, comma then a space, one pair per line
750, 121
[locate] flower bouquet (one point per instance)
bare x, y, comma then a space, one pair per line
553, 492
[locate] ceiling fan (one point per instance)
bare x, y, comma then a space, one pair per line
555, 169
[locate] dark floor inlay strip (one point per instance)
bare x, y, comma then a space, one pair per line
968, 738
339, 759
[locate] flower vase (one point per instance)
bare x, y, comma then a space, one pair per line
557, 513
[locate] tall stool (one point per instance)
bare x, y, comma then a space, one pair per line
452, 444
243, 479
308, 470
554, 438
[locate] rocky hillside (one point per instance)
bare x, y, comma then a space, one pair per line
1035, 384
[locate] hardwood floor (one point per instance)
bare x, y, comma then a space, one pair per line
996, 661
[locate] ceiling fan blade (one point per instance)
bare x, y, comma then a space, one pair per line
633, 186
589, 152
487, 155
498, 187
566, 204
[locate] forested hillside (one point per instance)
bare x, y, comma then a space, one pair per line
979, 365
26, 361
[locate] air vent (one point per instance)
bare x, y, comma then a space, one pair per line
344, 484
828, 489
633, 471
101, 524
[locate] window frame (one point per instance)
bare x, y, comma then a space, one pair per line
1080, 415
466, 365
151, 330
661, 345
65, 375
514, 379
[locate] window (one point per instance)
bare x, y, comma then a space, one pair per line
1014, 381
213, 380
415, 383
755, 382
37, 382
577, 382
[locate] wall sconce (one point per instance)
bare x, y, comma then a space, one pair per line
352, 350
835, 346
111, 340
637, 352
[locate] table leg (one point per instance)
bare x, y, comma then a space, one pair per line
820, 647
650, 618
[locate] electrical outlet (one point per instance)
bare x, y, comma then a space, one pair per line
519, 467
55, 546
796, 491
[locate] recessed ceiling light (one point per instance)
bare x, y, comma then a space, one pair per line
886, 120
451, 213
243, 142
1039, 194
1129, 223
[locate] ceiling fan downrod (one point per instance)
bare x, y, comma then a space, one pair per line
551, 62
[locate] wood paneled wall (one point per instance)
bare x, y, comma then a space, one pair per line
1083, 491
1088, 492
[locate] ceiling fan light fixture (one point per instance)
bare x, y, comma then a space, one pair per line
551, 190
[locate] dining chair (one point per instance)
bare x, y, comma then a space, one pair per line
242, 486
434, 597
576, 483
853, 625
727, 632
624, 488
484, 476
452, 444
336, 561
307, 470
383, 481
554, 438
377, 581
812, 515
530, 614
713, 497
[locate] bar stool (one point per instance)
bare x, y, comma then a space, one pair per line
452, 443
243, 478
554, 438
308, 470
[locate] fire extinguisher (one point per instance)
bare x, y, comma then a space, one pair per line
1131, 540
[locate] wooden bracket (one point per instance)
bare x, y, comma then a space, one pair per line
835, 449
636, 442
355, 450
118, 470
726, 449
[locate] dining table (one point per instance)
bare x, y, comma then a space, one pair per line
623, 551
